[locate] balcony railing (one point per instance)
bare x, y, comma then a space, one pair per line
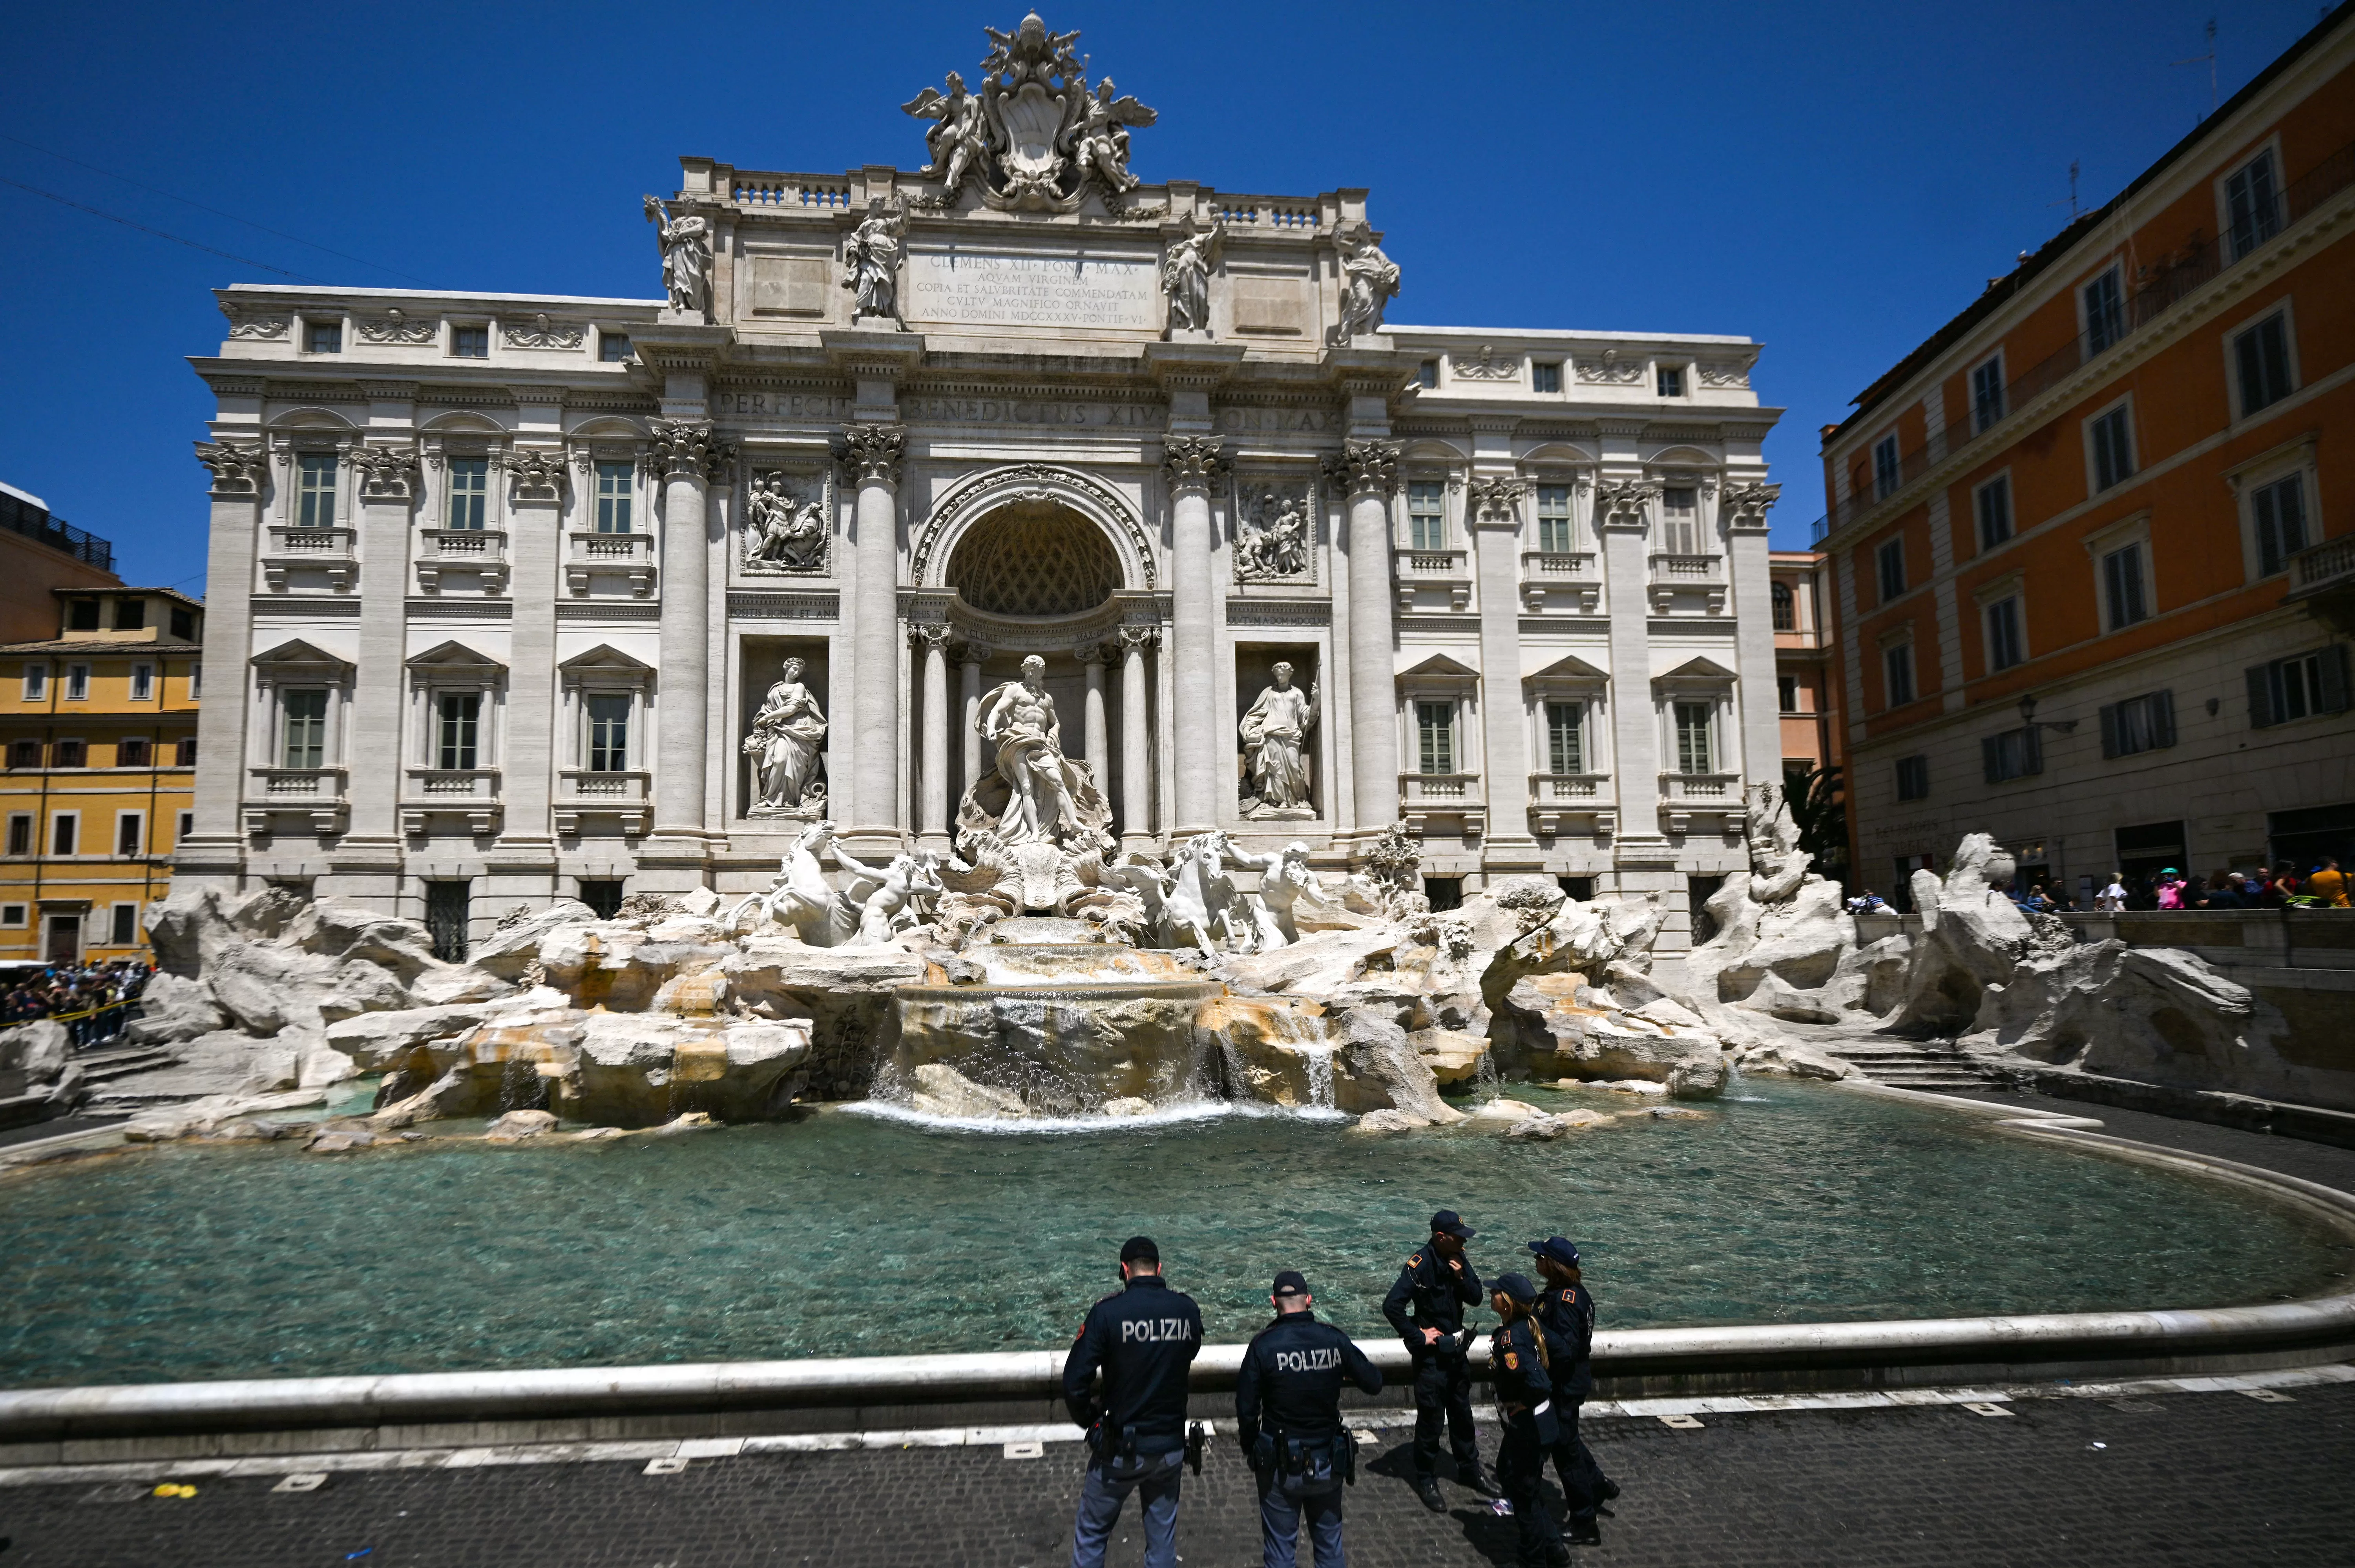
1671, 572
581, 792
1422, 796
1567, 577
315, 794
1710, 789
472, 792
632, 554
2321, 568
1556, 796
482, 550
35, 523
1449, 570
318, 549
2158, 287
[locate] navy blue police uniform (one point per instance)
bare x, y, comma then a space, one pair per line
1432, 1292
1288, 1419
1524, 1386
1144, 1338
1566, 1312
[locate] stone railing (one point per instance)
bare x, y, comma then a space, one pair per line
1564, 577
2325, 565
1669, 573
581, 792
484, 550
1448, 569
1422, 796
2272, 939
315, 793
630, 554
469, 792
1554, 796
320, 549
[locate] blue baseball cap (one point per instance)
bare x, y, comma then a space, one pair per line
1448, 1223
1517, 1286
1561, 1249
1289, 1283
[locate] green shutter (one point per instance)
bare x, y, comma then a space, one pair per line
2261, 700
2162, 718
2334, 682
2110, 730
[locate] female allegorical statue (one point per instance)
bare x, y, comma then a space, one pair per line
1275, 738
786, 736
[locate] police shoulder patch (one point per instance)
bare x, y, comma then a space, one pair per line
1513, 1360
1415, 1262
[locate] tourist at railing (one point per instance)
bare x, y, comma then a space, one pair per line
92, 1000
1869, 903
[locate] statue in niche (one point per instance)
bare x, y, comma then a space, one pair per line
959, 140
1370, 280
870, 268
685, 244
779, 533
1037, 795
1186, 278
1272, 535
1275, 738
787, 737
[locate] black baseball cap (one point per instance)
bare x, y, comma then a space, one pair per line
1561, 1249
1289, 1283
1136, 1249
1516, 1285
1447, 1222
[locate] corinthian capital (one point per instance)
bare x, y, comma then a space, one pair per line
1365, 468
930, 634
1746, 504
1139, 638
685, 446
1624, 502
1194, 463
537, 475
385, 473
1499, 498
237, 470
871, 452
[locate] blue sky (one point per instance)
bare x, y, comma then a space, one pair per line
1832, 180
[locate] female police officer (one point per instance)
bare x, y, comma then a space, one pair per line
1566, 1312
1517, 1357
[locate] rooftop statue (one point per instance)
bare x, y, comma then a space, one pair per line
1186, 277
1370, 280
870, 264
685, 242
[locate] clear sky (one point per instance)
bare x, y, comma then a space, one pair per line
1834, 181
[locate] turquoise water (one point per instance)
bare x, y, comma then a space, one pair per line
847, 1233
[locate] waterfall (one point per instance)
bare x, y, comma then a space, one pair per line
1320, 1075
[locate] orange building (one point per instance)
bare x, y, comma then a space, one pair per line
2091, 541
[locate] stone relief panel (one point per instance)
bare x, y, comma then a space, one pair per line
244, 323
1735, 373
1486, 366
1275, 530
1610, 369
786, 527
397, 326
541, 332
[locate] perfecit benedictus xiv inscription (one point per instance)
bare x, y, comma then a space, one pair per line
1033, 291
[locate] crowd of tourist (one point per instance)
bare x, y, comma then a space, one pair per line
2283, 886
70, 991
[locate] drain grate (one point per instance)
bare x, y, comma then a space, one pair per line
672, 1466
302, 1481
2269, 1396
1033, 1449
1682, 1423
1984, 1407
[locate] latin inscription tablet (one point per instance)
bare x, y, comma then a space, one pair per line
962, 287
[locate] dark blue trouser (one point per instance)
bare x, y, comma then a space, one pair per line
1101, 1497
1582, 1476
1442, 1398
1520, 1470
1279, 1525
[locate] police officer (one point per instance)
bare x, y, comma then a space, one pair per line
1288, 1416
1426, 1307
1566, 1313
1517, 1358
1145, 1338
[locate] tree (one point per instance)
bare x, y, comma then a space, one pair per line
1819, 807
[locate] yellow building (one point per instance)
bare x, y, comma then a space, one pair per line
98, 726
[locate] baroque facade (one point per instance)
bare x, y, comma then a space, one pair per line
599, 595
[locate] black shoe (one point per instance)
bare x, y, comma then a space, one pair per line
1427, 1489
1610, 1489
1584, 1532
1476, 1478
1557, 1555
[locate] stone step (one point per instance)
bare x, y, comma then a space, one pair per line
104, 1066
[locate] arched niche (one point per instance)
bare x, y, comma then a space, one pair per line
1037, 494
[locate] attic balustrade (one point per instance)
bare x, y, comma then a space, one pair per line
2158, 287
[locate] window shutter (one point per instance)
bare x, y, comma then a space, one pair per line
2334, 679
2110, 730
1991, 756
2260, 702
2162, 718
2031, 750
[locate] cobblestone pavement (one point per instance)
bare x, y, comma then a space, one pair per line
2204, 1477
2145, 1478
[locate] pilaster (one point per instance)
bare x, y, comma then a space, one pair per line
1760, 698
1366, 473
870, 455
225, 747
1191, 465
1492, 510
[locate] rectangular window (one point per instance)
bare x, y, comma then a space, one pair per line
1680, 521
1993, 502
15, 914
460, 726
1787, 693
470, 492
184, 623
130, 615
196, 681
2013, 754
36, 683
2278, 510
2299, 687
2005, 644
184, 752
614, 347
304, 716
2138, 724
314, 490
24, 754
76, 682
20, 833
2112, 437
1785, 607
130, 832
323, 337
614, 497
1672, 381
2122, 595
1554, 519
1427, 514
470, 342
1890, 559
1694, 754
1544, 377
1897, 674
65, 832
126, 926
2261, 357
1426, 375
132, 751
1434, 727
1987, 394
2252, 205
609, 734
1887, 473
72, 754
2105, 315
142, 683
1565, 737
604, 896
81, 615
185, 825
1912, 778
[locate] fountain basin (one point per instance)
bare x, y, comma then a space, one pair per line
1063, 1050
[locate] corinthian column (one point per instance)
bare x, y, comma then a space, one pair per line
1091, 660
1367, 472
931, 821
223, 745
1135, 741
871, 456
1496, 540
686, 456
973, 656
1192, 464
